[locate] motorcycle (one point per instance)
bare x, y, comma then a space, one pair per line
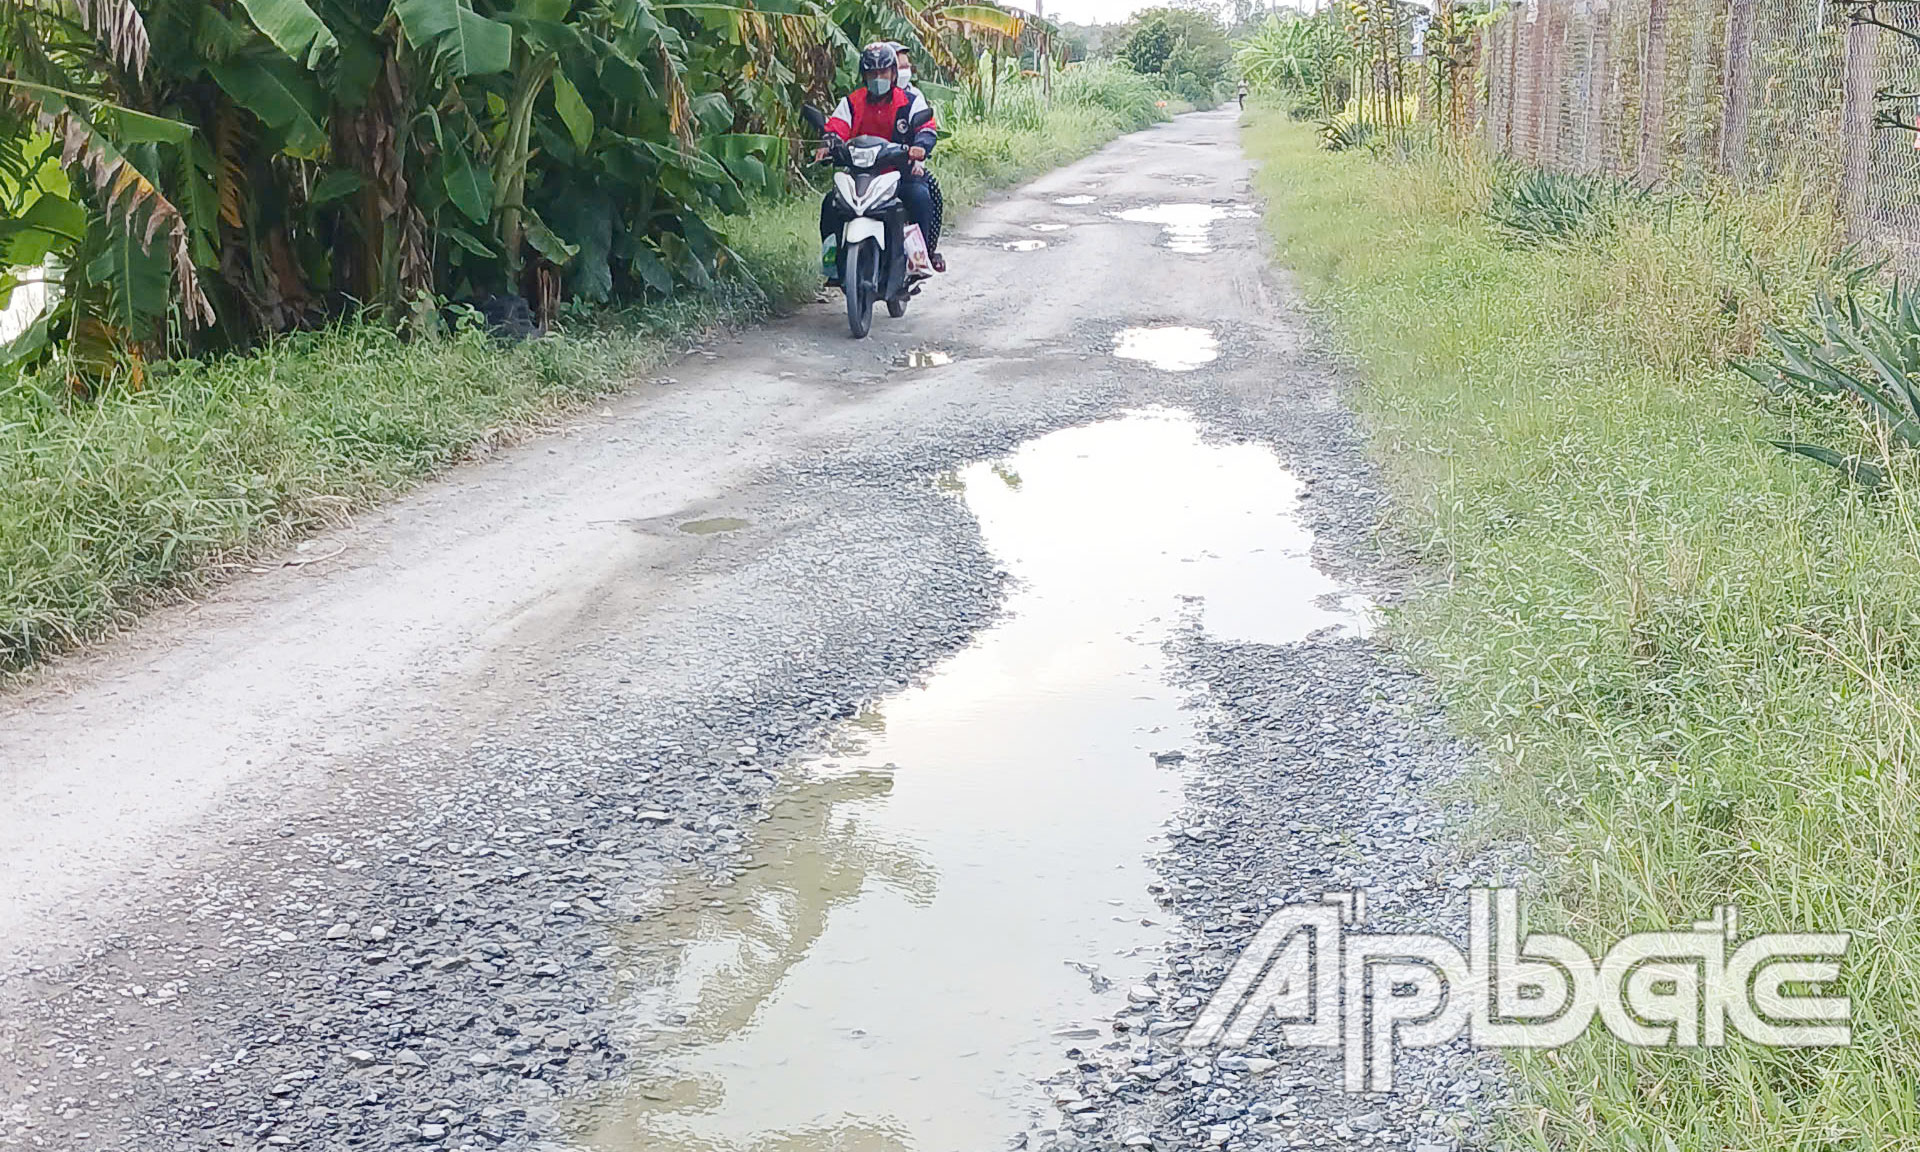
872, 253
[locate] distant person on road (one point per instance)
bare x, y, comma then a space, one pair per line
1241, 95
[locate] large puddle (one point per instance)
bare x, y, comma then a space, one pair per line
1188, 227
957, 894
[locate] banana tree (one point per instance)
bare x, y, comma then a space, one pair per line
988, 30
223, 171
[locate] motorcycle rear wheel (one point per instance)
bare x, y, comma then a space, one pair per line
860, 269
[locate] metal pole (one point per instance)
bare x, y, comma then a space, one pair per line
1856, 126
1738, 103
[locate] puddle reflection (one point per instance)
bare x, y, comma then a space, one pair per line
1188, 227
1024, 245
1075, 201
1172, 349
957, 891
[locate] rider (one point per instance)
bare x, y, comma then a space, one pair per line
903, 62
881, 107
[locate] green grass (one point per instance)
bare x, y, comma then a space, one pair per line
109, 503
1693, 661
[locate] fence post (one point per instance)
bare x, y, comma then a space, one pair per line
1512, 101
1698, 64
1602, 131
1553, 105
1856, 125
1737, 104
1538, 66
1653, 98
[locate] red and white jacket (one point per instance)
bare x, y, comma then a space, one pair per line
902, 116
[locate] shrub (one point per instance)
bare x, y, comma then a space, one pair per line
1534, 206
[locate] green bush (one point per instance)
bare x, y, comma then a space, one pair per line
1535, 206
1863, 354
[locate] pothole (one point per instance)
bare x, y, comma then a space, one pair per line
714, 524
1171, 349
1075, 201
923, 358
1188, 226
959, 883
1024, 245
1049, 227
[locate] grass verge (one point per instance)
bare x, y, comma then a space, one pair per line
1693, 661
106, 504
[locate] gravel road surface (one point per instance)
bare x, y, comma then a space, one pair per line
542, 807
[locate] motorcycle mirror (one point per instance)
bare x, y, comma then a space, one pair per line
816, 119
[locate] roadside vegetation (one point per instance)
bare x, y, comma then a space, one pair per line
128, 489
1691, 656
1185, 48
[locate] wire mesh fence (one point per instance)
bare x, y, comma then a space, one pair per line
1824, 92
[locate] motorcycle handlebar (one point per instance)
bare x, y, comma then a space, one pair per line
839, 152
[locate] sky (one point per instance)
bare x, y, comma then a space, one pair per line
1094, 11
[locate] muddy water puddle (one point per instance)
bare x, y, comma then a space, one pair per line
1024, 245
957, 893
1188, 227
923, 358
1075, 201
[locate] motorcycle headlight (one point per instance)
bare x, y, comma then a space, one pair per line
865, 157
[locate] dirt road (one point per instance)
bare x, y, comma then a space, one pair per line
821, 748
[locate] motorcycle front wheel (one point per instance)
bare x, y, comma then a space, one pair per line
859, 280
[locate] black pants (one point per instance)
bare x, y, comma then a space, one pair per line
921, 195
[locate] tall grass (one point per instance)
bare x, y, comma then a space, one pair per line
106, 502
1695, 662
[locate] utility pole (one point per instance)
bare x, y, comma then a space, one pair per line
1046, 53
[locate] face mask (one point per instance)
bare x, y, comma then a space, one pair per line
879, 85
906, 74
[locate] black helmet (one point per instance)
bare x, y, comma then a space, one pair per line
877, 58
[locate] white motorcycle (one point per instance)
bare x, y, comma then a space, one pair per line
872, 255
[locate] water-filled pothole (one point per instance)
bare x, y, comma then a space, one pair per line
714, 524
1049, 227
959, 887
1024, 245
923, 358
1174, 349
1075, 201
1188, 226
